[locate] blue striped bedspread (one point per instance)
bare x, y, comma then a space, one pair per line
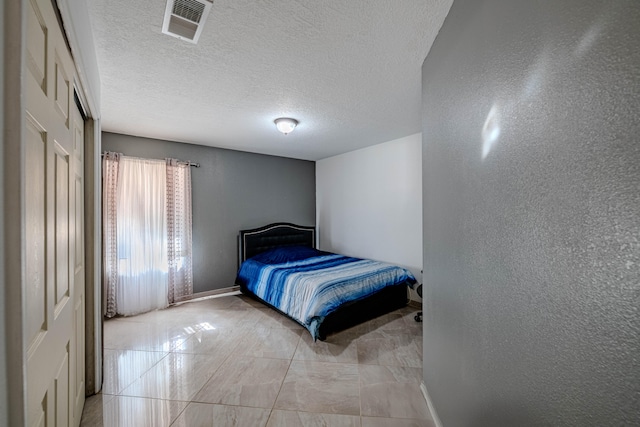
308, 284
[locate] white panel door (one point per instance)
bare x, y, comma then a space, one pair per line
53, 288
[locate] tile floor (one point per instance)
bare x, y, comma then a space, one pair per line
231, 361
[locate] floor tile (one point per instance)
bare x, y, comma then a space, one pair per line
227, 317
208, 415
213, 303
92, 414
125, 411
395, 422
396, 322
330, 388
155, 316
270, 318
392, 391
275, 343
123, 367
334, 349
245, 381
399, 350
280, 418
209, 339
129, 335
177, 376
245, 300
234, 361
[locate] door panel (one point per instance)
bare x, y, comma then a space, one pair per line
61, 387
36, 46
35, 280
55, 259
61, 201
62, 93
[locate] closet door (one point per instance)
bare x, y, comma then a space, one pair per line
52, 295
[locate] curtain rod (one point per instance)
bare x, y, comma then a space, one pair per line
184, 162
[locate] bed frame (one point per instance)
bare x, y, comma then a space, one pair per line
257, 240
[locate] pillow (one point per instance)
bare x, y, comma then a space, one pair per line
285, 254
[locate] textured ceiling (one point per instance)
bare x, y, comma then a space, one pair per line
348, 70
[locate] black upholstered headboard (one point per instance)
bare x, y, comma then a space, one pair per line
257, 240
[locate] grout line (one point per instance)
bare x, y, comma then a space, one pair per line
359, 383
285, 374
213, 374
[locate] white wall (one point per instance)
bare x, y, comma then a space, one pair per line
369, 203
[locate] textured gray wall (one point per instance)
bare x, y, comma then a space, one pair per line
232, 190
531, 151
4, 367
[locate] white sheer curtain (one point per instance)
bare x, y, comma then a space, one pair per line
142, 236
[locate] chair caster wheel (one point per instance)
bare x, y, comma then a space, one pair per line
418, 317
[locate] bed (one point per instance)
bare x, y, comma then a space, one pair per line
324, 292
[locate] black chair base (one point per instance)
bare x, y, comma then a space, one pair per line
418, 317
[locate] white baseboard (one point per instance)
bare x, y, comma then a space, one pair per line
432, 410
233, 290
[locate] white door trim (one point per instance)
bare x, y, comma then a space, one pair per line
80, 36
13, 208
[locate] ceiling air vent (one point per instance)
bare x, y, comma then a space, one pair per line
185, 19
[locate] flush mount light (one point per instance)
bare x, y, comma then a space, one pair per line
286, 124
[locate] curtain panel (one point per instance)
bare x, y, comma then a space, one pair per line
147, 239
142, 236
179, 225
110, 166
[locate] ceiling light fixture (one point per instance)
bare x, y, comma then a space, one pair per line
286, 124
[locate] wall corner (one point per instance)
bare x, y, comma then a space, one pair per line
432, 409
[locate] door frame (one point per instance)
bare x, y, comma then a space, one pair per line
13, 208
75, 18
12, 245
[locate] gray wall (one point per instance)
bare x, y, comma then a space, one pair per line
232, 190
4, 367
531, 160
